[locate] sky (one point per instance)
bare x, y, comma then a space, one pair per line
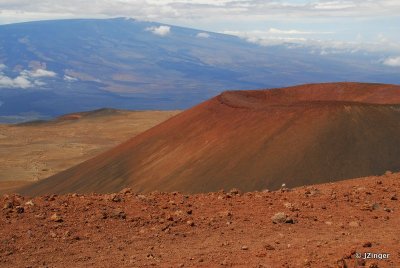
350, 24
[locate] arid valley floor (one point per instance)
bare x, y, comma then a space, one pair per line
31, 152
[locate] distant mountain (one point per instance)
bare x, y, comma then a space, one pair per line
252, 140
49, 68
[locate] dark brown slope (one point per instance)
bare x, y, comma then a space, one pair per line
252, 140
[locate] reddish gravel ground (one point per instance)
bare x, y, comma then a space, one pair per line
315, 226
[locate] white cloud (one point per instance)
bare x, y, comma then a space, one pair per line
263, 38
38, 73
335, 5
161, 30
17, 10
294, 32
22, 82
203, 35
2, 66
70, 78
275, 36
323, 47
18, 82
42, 73
392, 61
25, 79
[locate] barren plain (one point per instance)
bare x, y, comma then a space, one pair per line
33, 151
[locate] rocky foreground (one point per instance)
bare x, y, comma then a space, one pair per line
316, 226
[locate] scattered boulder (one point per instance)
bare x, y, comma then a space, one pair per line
388, 173
367, 244
115, 198
234, 191
289, 220
126, 191
8, 205
103, 215
269, 247
56, 218
281, 217
370, 206
118, 214
284, 188
313, 191
30, 203
387, 209
19, 209
372, 265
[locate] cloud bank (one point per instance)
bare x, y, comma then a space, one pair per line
393, 62
68, 78
186, 9
25, 79
294, 32
324, 47
40, 73
160, 30
203, 35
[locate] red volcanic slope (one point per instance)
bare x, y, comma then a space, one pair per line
252, 140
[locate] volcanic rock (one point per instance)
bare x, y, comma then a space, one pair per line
269, 247
367, 244
56, 218
19, 209
280, 217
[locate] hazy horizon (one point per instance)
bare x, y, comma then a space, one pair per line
340, 25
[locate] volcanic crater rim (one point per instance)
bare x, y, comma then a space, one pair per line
314, 95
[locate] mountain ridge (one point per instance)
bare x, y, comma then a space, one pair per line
55, 67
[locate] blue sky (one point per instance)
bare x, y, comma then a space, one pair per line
355, 24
